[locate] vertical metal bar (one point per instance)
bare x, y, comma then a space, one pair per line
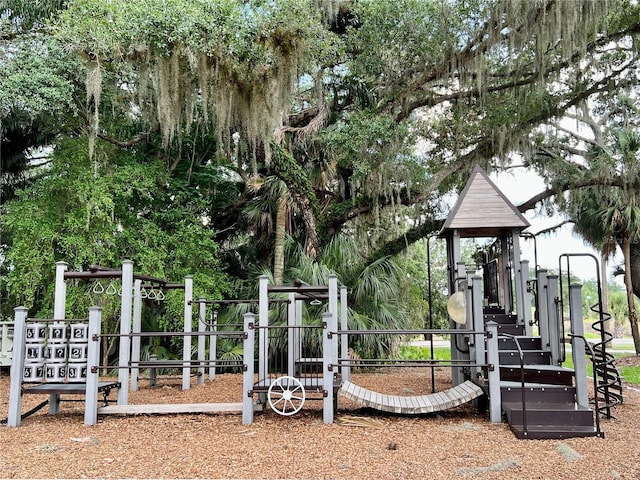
555, 320
248, 360
344, 341
457, 376
213, 342
543, 309
525, 295
188, 327
137, 328
125, 330
477, 323
93, 361
293, 335
17, 366
263, 319
517, 266
493, 358
333, 308
328, 319
577, 345
202, 328
60, 292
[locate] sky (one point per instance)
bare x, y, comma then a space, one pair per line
519, 186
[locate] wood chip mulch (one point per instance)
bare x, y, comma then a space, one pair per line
361, 444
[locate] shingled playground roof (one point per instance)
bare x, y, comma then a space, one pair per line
482, 210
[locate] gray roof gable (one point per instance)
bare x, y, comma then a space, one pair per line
482, 210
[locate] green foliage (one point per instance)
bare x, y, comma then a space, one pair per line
412, 352
102, 212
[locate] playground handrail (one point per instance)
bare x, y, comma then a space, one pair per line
522, 389
427, 331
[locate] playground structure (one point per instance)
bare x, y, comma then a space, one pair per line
503, 357
6, 343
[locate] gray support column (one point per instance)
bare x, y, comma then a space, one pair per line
213, 343
554, 319
345, 368
293, 336
543, 309
263, 320
202, 329
477, 324
247, 376
125, 331
137, 328
333, 309
517, 278
93, 361
506, 275
188, 328
17, 367
59, 313
578, 350
457, 376
60, 293
525, 296
328, 319
493, 359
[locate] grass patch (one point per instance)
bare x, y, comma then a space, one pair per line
630, 374
412, 352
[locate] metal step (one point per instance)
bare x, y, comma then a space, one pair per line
500, 318
545, 413
547, 374
517, 330
535, 357
555, 431
526, 343
537, 392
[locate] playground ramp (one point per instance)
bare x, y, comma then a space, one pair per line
412, 405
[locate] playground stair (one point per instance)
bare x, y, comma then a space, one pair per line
548, 402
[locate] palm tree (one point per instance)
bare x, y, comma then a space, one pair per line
607, 216
623, 220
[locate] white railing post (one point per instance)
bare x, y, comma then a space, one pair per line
93, 363
578, 350
60, 292
333, 309
17, 367
554, 319
328, 362
213, 343
136, 340
543, 309
248, 360
124, 354
202, 339
477, 324
188, 328
263, 319
292, 338
525, 296
493, 359
345, 368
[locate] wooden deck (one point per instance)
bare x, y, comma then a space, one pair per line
413, 405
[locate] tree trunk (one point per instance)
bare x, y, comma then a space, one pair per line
633, 318
278, 254
604, 262
635, 267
